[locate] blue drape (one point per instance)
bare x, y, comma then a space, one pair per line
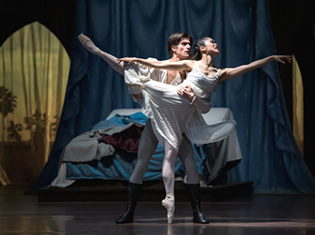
242, 29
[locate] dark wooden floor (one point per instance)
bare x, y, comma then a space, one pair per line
116, 191
251, 214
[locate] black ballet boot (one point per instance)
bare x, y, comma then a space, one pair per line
194, 193
134, 191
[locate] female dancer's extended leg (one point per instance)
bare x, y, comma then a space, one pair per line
110, 59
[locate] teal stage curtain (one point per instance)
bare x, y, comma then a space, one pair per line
139, 28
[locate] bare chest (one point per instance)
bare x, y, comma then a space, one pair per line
171, 75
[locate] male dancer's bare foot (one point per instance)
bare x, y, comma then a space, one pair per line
88, 44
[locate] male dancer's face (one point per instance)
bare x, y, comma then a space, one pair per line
182, 50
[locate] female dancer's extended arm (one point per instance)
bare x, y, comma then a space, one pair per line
186, 65
230, 73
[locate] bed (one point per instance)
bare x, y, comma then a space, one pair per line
88, 158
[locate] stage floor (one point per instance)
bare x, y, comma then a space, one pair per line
251, 214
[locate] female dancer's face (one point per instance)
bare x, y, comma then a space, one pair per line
182, 50
211, 47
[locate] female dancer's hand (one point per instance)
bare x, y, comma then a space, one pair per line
282, 58
126, 60
186, 92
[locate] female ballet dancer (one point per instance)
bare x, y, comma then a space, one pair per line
171, 114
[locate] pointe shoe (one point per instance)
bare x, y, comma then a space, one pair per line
170, 207
88, 44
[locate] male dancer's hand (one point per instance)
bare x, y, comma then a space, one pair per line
186, 92
126, 61
138, 96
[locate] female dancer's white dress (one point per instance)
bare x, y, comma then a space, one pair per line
172, 114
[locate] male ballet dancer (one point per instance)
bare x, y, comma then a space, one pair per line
179, 49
